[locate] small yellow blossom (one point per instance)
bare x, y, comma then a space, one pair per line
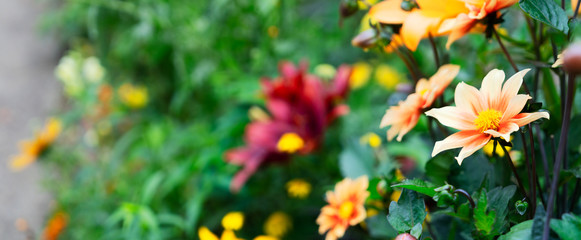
272, 31
398, 175
366, 20
205, 234
326, 71
92, 70
277, 224
290, 143
363, 3
298, 188
56, 226
233, 221
387, 76
31, 149
395, 195
359, 75
372, 139
256, 114
133, 96
489, 147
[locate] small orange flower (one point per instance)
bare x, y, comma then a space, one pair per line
55, 226
479, 9
31, 149
404, 117
419, 22
492, 111
345, 207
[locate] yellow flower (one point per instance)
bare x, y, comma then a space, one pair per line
372, 139
363, 3
298, 188
398, 175
31, 149
233, 221
277, 224
359, 75
55, 226
133, 96
326, 71
205, 234
387, 77
489, 147
290, 143
395, 195
262, 237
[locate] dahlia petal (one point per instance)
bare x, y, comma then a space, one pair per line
439, 82
388, 12
504, 130
525, 118
416, 26
469, 99
452, 117
515, 106
456, 140
511, 87
462, 26
359, 215
491, 87
472, 147
409, 126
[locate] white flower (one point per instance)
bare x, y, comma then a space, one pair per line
92, 70
68, 72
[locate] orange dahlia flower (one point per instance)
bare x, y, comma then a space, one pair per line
479, 9
345, 207
418, 22
32, 149
403, 117
492, 111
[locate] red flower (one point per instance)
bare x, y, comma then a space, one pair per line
301, 105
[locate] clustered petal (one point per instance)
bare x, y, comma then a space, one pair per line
492, 111
345, 207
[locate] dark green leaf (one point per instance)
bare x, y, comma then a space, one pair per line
568, 228
418, 185
498, 199
379, 227
438, 168
408, 211
546, 11
416, 230
538, 223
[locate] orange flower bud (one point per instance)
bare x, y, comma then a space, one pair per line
572, 58
405, 236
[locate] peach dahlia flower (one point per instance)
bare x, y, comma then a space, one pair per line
479, 9
492, 111
345, 207
403, 117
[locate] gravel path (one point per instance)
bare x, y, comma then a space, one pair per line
28, 94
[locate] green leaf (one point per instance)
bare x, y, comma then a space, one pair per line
416, 230
418, 185
482, 220
538, 224
568, 228
546, 11
356, 160
151, 186
498, 199
521, 231
408, 211
379, 227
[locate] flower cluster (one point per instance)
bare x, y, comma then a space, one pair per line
301, 106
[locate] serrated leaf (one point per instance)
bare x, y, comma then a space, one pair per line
568, 228
546, 11
521, 231
482, 220
418, 185
408, 211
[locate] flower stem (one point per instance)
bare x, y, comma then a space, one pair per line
576, 9
520, 186
435, 50
509, 58
463, 192
534, 167
560, 152
544, 158
529, 172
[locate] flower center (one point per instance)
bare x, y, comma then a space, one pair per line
290, 143
488, 119
346, 210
